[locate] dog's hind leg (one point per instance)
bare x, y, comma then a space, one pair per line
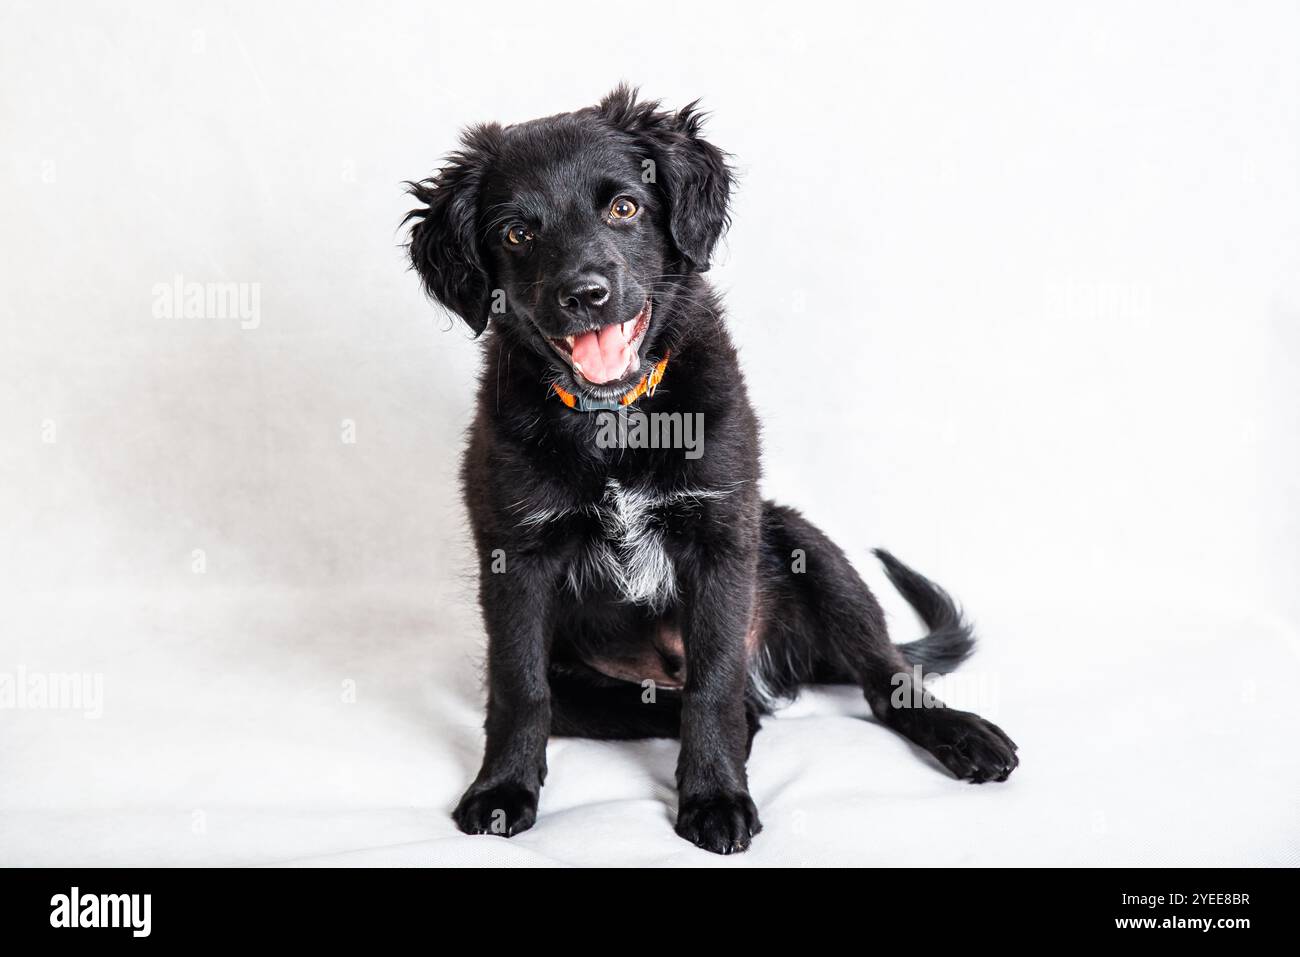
821, 624
588, 704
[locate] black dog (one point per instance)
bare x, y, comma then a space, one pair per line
635, 591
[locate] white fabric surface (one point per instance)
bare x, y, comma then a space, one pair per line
1166, 745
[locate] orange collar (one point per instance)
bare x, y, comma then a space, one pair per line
645, 387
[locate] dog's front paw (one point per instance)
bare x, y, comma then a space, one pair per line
504, 809
721, 823
971, 748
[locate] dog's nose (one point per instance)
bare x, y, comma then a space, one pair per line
589, 291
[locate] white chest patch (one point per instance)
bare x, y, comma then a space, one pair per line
629, 554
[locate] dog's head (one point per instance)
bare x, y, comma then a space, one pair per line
574, 233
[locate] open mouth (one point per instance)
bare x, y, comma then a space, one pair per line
605, 355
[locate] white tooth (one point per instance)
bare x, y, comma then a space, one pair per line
629, 327
569, 340
577, 367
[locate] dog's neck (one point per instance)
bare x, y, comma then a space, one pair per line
647, 385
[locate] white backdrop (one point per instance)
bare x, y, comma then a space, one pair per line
1050, 257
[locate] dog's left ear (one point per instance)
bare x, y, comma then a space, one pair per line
444, 240
691, 172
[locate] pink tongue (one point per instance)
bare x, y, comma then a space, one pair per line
604, 355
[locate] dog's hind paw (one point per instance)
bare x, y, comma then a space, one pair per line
721, 823
503, 809
971, 748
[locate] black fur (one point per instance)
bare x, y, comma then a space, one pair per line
950, 641
752, 601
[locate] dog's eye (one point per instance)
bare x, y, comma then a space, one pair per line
517, 235
622, 208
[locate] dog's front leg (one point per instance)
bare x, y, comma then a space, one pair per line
715, 811
516, 608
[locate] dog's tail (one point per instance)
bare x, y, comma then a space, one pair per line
951, 639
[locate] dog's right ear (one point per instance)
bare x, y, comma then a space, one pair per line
444, 244
692, 173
